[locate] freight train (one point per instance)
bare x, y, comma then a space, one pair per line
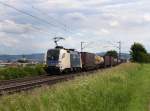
61, 60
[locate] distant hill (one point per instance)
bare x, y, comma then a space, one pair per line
35, 57
123, 55
40, 56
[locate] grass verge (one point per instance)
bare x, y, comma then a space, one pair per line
123, 88
20, 72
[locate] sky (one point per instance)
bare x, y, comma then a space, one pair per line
100, 24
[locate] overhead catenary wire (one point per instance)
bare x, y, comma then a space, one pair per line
58, 22
110, 44
41, 30
33, 7
28, 14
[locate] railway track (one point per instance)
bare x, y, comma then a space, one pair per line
4, 82
13, 86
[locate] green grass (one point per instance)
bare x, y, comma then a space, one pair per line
123, 88
20, 72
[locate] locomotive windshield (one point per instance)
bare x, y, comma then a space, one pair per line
53, 55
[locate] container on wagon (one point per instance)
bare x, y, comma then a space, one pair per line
88, 60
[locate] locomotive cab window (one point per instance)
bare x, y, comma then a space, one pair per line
53, 55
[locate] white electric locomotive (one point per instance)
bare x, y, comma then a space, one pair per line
60, 59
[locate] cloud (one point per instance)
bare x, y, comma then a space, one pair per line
114, 23
9, 26
76, 20
7, 41
76, 16
147, 17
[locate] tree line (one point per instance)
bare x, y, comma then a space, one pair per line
138, 53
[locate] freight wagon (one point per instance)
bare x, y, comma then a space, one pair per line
88, 60
91, 61
110, 61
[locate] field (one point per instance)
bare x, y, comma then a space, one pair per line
20, 72
123, 88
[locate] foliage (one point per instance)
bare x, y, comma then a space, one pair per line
124, 88
112, 53
20, 72
139, 53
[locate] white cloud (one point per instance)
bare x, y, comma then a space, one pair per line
85, 20
76, 16
101, 32
7, 41
147, 17
105, 31
9, 26
114, 23
62, 4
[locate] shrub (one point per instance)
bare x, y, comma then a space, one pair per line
112, 53
139, 53
20, 72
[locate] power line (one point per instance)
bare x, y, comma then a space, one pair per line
120, 45
39, 29
49, 16
58, 22
26, 13
111, 45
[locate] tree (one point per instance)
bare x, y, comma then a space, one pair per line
139, 53
112, 53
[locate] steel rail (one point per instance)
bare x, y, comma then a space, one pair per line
19, 85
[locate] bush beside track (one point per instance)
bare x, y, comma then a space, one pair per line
20, 72
123, 88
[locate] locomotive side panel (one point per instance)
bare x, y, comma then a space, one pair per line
75, 59
64, 60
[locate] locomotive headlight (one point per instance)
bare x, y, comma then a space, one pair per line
57, 65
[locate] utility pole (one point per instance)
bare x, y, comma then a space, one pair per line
119, 49
82, 46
